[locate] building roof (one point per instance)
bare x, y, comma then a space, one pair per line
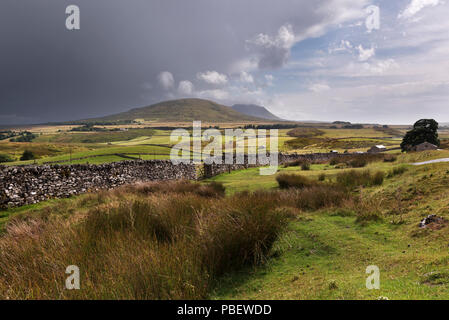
426, 143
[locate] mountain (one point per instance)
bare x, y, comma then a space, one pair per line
183, 110
255, 111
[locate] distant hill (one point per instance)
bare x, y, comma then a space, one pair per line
255, 111
183, 110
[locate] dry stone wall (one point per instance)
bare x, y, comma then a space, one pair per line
311, 157
31, 184
217, 169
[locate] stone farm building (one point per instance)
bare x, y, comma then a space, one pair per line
425, 146
377, 149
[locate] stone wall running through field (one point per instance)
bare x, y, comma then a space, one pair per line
31, 184
212, 170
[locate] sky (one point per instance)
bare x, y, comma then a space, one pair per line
321, 60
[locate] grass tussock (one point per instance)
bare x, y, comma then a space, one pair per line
287, 181
150, 241
354, 178
368, 209
164, 241
306, 194
396, 171
390, 158
305, 166
211, 190
295, 163
319, 197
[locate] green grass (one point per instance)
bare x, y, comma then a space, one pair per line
30, 209
324, 254
94, 137
15, 149
321, 249
107, 150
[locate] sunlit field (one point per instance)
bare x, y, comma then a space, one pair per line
312, 239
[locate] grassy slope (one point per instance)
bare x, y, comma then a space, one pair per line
15, 149
324, 254
107, 150
185, 109
94, 137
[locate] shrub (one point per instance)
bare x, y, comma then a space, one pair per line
305, 166
27, 155
287, 181
5, 158
322, 177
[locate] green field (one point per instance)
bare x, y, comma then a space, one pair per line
323, 254
60, 143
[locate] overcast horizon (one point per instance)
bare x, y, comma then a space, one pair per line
323, 60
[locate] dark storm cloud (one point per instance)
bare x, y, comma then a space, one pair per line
48, 73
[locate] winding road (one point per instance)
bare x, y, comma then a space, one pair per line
431, 161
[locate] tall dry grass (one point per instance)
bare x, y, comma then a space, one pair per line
365, 178
154, 241
169, 240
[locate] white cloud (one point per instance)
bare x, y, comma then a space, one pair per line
186, 87
269, 79
365, 54
213, 77
218, 94
166, 80
274, 51
415, 6
319, 87
380, 67
246, 64
246, 77
343, 46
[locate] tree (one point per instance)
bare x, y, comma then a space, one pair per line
27, 155
424, 130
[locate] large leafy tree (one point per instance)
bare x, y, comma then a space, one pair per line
424, 130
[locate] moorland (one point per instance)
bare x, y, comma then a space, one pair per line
307, 232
